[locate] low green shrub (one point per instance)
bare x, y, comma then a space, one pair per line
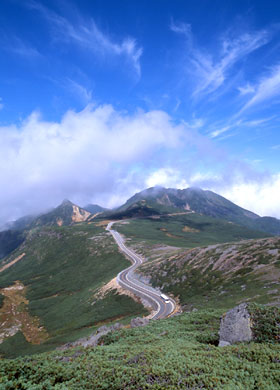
266, 323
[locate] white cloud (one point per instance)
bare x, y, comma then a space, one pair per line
181, 28
246, 89
83, 94
89, 36
87, 155
103, 156
166, 177
218, 132
267, 88
211, 72
262, 198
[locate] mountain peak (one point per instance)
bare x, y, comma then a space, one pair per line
66, 202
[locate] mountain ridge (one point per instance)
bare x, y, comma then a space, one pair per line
159, 200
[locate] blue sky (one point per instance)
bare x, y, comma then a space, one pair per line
99, 99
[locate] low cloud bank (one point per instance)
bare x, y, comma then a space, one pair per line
95, 154
104, 156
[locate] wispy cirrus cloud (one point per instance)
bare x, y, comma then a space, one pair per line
220, 131
18, 46
267, 88
240, 124
83, 94
89, 36
211, 71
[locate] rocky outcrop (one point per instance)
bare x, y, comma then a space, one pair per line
138, 321
236, 326
93, 339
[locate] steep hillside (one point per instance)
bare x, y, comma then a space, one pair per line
49, 286
218, 275
158, 200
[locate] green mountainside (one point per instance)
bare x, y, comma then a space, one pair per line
57, 274
185, 230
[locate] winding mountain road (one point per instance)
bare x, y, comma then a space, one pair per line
163, 305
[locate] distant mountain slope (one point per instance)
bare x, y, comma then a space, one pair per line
158, 200
64, 215
22, 223
185, 230
67, 213
141, 208
9, 241
94, 208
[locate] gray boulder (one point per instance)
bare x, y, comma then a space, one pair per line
236, 326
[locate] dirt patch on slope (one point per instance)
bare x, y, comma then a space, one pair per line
188, 229
79, 215
59, 221
168, 234
14, 316
113, 285
12, 262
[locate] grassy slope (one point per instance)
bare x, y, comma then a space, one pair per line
220, 275
177, 353
209, 230
63, 268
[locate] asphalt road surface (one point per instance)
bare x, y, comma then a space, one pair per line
163, 306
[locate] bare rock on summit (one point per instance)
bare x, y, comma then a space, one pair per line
236, 326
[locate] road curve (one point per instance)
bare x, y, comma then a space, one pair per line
163, 306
